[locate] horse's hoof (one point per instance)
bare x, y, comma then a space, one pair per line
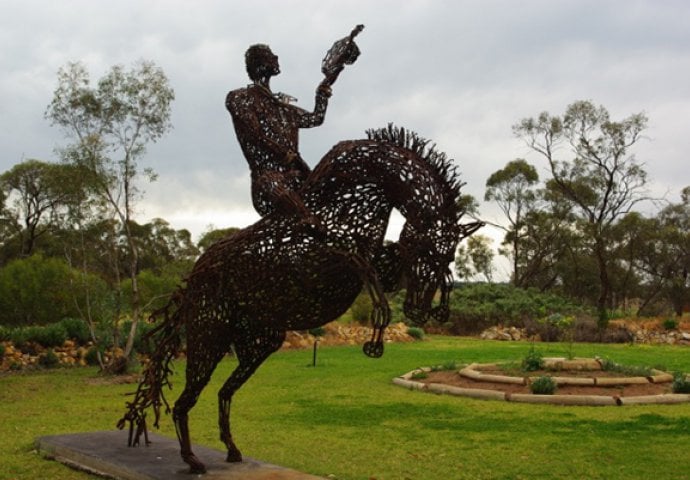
195, 466
197, 469
373, 349
234, 456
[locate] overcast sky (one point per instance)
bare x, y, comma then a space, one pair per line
458, 72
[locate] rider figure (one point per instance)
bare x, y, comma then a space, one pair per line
267, 128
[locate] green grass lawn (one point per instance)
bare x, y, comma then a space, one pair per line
346, 419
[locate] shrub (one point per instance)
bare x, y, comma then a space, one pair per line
628, 370
48, 359
91, 357
533, 361
47, 336
681, 383
416, 332
543, 386
4, 334
76, 329
317, 331
475, 307
36, 291
361, 309
670, 324
445, 366
140, 344
2, 351
419, 375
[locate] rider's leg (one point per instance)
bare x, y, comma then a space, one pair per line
275, 191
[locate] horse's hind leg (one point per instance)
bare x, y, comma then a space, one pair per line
251, 351
200, 366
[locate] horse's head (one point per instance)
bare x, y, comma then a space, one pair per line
426, 253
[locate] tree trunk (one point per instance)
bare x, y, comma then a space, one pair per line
604, 286
133, 265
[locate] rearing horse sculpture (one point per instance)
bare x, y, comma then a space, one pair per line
249, 288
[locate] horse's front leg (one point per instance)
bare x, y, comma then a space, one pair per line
381, 311
251, 349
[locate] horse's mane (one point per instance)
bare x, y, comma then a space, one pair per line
439, 161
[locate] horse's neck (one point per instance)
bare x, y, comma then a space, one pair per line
358, 183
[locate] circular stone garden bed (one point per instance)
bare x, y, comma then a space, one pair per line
579, 382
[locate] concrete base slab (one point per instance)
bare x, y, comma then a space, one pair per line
107, 454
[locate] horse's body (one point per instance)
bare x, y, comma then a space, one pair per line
248, 289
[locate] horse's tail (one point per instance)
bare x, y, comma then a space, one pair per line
150, 392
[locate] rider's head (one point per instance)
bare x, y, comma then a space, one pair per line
261, 62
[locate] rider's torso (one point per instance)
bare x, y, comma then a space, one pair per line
262, 123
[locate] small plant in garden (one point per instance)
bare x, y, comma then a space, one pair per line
543, 386
446, 366
418, 375
681, 383
533, 361
628, 370
416, 333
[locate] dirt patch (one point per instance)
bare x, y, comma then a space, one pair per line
455, 379
114, 379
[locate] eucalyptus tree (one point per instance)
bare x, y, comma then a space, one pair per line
37, 198
512, 189
110, 124
662, 253
475, 258
590, 162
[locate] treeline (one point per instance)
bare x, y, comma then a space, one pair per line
581, 232
71, 248
69, 243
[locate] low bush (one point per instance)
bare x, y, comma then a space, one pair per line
77, 330
361, 309
47, 336
533, 361
140, 344
681, 383
627, 370
445, 366
48, 359
543, 386
91, 357
4, 334
670, 324
2, 351
416, 332
317, 331
475, 307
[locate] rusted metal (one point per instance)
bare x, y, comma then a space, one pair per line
319, 243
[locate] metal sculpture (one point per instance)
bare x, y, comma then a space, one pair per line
249, 288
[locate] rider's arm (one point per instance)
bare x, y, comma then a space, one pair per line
315, 118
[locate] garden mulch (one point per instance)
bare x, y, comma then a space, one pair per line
455, 379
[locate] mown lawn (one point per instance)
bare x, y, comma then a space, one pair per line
346, 419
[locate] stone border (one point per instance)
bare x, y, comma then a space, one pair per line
473, 371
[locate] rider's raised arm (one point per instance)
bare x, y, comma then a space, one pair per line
316, 118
